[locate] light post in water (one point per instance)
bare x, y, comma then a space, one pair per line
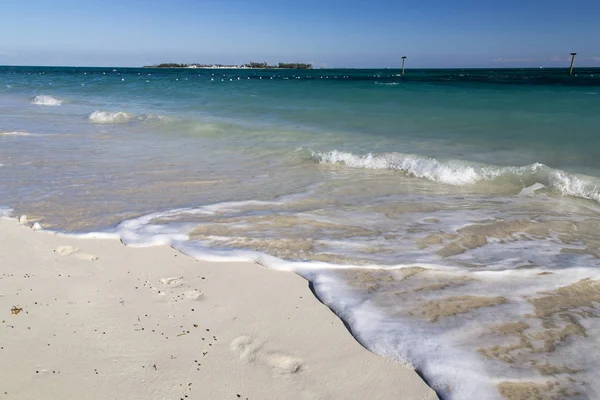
403, 58
572, 62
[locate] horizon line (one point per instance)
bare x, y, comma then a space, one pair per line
313, 68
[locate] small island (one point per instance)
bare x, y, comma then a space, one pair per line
251, 65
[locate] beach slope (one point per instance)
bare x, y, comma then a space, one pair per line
93, 319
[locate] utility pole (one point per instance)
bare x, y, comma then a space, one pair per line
572, 62
403, 58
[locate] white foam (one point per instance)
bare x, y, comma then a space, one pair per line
119, 117
574, 185
453, 172
89, 235
445, 352
142, 232
110, 117
5, 212
43, 100
14, 134
205, 251
459, 173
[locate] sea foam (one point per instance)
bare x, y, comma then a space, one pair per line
14, 134
449, 352
43, 100
110, 117
5, 212
461, 173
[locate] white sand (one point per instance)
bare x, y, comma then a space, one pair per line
93, 319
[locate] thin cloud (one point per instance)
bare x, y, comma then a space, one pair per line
513, 60
6, 54
560, 58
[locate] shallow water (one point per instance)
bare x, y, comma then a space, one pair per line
450, 217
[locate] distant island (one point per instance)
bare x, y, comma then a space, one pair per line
251, 65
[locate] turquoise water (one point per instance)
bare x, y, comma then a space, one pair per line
525, 114
427, 210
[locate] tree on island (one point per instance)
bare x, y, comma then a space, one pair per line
259, 65
280, 65
295, 65
170, 65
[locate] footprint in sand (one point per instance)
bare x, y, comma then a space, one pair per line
172, 282
250, 350
66, 250
193, 295
86, 256
176, 282
74, 251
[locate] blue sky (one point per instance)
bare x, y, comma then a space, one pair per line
328, 33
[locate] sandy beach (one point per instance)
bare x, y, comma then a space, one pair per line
94, 319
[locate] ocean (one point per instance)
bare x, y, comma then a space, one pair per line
451, 218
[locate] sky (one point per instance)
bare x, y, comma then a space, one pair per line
326, 33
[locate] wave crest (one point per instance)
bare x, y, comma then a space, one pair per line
14, 134
581, 186
110, 117
460, 173
44, 100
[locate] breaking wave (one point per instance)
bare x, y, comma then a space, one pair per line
110, 117
14, 134
459, 172
119, 117
5, 212
43, 100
